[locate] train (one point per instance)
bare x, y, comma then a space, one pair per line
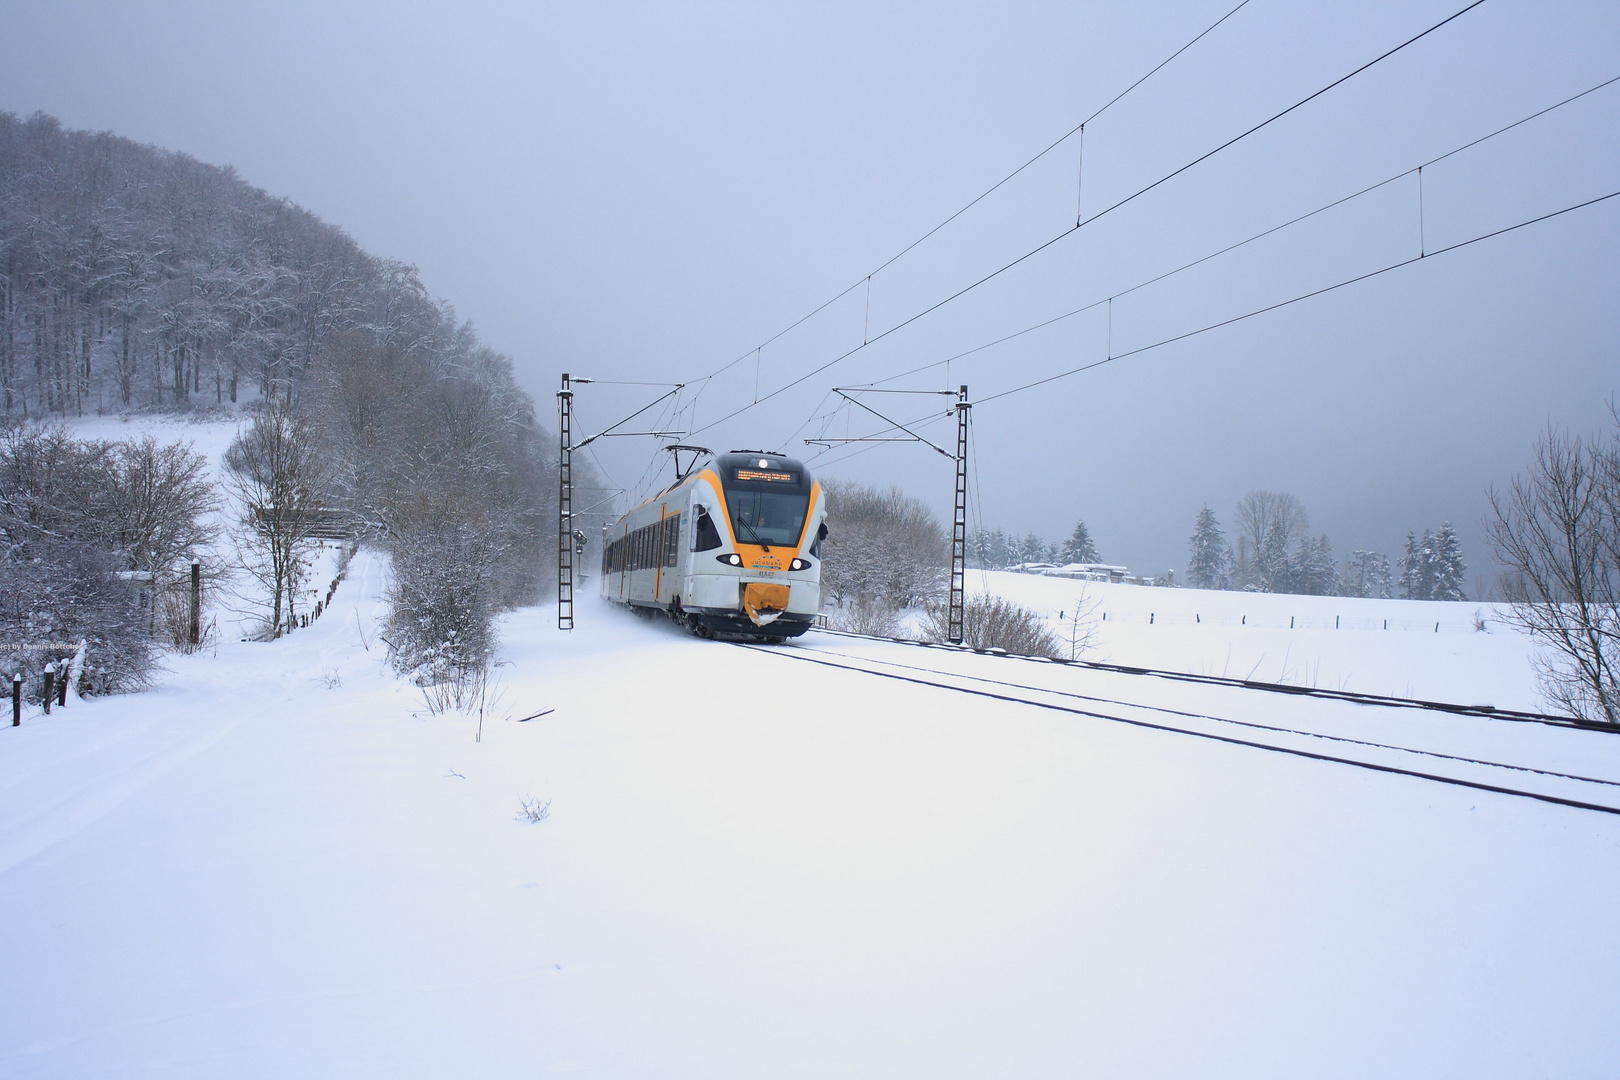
731, 549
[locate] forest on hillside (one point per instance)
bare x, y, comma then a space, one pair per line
136, 279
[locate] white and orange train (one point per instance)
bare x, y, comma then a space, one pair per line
732, 548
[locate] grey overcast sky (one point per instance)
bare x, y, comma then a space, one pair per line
649, 192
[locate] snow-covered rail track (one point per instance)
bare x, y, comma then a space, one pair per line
1548, 785
1489, 712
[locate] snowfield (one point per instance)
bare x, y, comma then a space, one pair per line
759, 867
1397, 648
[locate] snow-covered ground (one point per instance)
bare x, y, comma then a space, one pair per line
278, 864
1399, 648
754, 867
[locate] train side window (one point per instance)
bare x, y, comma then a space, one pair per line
821, 534
705, 537
672, 539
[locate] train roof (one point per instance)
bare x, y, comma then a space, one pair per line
733, 468
759, 459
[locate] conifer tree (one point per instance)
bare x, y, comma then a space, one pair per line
1078, 548
1448, 571
1412, 578
1031, 549
1208, 556
988, 550
1367, 574
1311, 570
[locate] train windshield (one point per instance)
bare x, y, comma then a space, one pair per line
774, 518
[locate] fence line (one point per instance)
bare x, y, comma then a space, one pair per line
1288, 622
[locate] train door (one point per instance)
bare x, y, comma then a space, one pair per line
624, 563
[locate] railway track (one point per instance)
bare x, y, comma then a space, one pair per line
1489, 712
1583, 792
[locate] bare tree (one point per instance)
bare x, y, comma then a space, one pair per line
1557, 530
60, 591
1268, 525
278, 472
163, 507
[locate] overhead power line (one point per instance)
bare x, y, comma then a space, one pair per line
931, 417
873, 387
1302, 296
866, 279
1094, 217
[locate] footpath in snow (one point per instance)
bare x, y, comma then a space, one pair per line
276, 864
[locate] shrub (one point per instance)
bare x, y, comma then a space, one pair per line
991, 622
874, 617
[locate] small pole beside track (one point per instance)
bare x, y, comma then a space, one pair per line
50, 686
16, 699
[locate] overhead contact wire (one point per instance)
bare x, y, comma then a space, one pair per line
1241, 243
866, 279
1303, 296
1094, 217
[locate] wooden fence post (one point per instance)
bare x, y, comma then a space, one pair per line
196, 601
61, 686
50, 686
16, 700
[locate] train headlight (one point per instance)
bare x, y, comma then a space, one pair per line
732, 559
799, 564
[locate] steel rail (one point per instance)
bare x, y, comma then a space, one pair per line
793, 654
1489, 712
1167, 710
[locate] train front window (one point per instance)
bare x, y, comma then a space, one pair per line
772, 518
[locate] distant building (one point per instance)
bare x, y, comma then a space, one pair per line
1085, 572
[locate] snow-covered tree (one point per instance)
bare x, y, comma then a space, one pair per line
1312, 570
1367, 574
1030, 549
1208, 557
1414, 564
1078, 548
1268, 525
1449, 570
882, 547
1432, 567
988, 550
70, 511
